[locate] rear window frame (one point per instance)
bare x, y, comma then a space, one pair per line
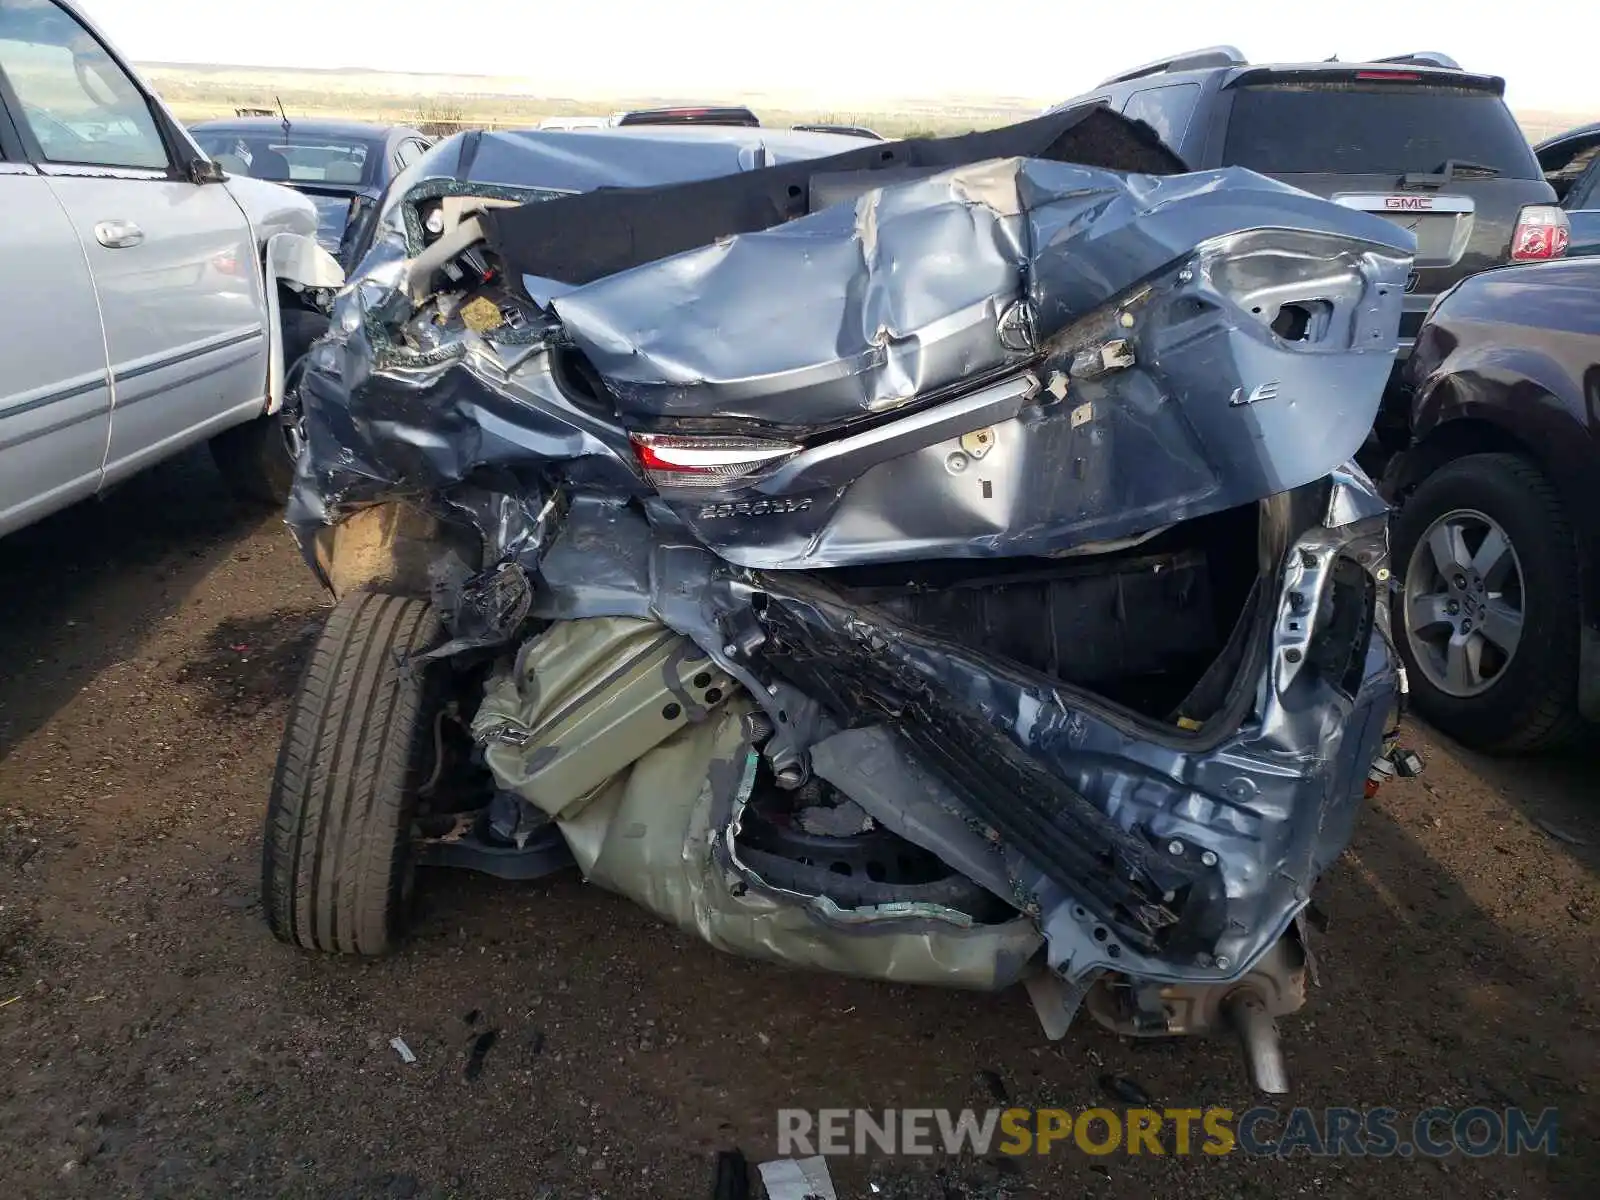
1469, 87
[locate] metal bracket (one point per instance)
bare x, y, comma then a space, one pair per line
545, 853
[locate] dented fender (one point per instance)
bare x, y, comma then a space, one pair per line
294, 260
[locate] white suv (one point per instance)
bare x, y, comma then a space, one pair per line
147, 301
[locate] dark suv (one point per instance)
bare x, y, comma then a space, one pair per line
1414, 138
1497, 542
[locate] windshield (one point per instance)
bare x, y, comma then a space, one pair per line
1359, 129
295, 158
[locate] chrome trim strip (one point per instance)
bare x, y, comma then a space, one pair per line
91, 414
39, 397
224, 341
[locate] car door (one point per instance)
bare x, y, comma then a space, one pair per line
55, 393
173, 261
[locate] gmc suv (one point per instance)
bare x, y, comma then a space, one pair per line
1414, 138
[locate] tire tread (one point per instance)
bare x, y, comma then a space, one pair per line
336, 849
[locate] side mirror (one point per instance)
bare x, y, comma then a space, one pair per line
204, 170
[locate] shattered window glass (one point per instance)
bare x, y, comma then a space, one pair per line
1165, 109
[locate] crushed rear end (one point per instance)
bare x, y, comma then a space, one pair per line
948, 570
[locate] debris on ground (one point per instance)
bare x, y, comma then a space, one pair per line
1125, 1090
798, 1179
999, 1178
480, 1050
732, 1178
403, 1050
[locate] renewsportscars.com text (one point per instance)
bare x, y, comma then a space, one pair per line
1326, 1132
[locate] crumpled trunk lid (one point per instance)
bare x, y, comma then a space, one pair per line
1184, 344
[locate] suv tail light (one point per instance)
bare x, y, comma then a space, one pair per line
672, 461
1542, 232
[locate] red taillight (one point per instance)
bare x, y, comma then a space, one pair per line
1389, 75
670, 460
1542, 232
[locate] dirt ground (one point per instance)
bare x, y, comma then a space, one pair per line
156, 1041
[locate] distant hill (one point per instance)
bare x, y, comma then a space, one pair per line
197, 90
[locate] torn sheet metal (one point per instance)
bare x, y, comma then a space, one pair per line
585, 698
1006, 358
661, 833
1193, 279
875, 769
1255, 835
855, 328
1168, 857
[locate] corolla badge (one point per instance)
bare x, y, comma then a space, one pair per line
751, 508
1262, 391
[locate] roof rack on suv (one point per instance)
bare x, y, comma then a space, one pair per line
1193, 60
1424, 58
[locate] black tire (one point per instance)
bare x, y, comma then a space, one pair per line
254, 458
1531, 704
337, 864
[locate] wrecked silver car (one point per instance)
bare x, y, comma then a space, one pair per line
936, 561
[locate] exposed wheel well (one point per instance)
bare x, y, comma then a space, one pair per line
293, 296
1450, 441
389, 547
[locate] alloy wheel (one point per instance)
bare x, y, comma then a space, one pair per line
291, 419
1464, 603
